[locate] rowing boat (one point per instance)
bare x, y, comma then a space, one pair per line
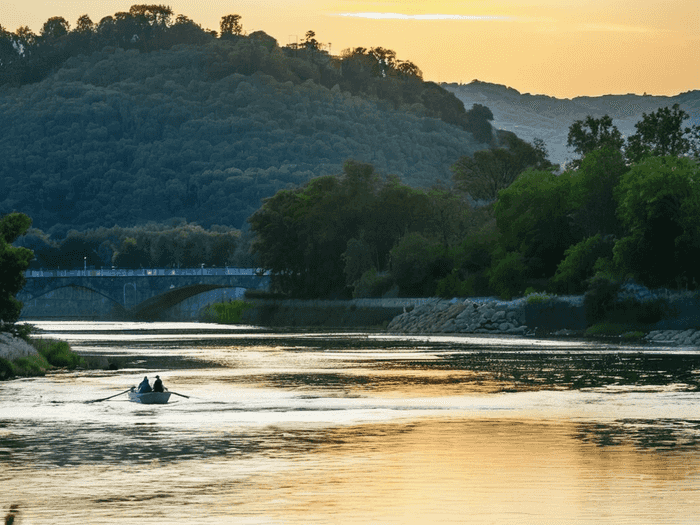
149, 398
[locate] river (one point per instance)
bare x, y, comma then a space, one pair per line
303, 428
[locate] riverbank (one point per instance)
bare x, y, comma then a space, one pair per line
19, 358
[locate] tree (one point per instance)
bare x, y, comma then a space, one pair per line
489, 171
590, 134
230, 25
310, 41
55, 27
13, 263
661, 133
660, 209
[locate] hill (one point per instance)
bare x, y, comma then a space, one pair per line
125, 137
549, 118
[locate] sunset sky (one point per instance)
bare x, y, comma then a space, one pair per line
562, 48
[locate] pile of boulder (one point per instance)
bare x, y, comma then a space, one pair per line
463, 316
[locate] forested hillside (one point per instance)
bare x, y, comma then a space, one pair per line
548, 118
205, 130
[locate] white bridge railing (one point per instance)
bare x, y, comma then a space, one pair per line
143, 272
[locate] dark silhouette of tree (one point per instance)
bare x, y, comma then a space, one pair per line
590, 134
230, 25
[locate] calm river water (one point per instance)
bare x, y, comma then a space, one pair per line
302, 428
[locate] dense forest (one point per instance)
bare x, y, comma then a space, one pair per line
625, 209
145, 116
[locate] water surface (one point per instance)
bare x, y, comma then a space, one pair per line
352, 428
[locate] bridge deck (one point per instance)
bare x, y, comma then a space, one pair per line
143, 272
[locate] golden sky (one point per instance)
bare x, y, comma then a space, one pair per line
563, 48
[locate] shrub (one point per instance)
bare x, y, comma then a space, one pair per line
57, 353
372, 284
599, 299
453, 286
537, 297
34, 365
227, 313
6, 369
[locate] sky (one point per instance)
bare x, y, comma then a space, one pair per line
562, 48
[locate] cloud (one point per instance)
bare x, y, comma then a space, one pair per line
400, 16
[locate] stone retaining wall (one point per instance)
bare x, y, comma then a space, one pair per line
486, 316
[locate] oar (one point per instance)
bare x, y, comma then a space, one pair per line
110, 397
181, 395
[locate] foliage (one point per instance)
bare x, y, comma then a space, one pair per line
417, 264
532, 216
508, 274
660, 209
57, 353
148, 246
593, 199
579, 263
599, 300
33, 365
483, 174
227, 313
6, 369
537, 297
452, 286
203, 132
13, 263
661, 133
590, 134
372, 284
318, 240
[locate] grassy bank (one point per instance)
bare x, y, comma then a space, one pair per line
50, 354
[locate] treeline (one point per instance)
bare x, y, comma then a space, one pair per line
627, 209
174, 245
124, 137
26, 57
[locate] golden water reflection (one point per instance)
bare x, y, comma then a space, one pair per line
432, 471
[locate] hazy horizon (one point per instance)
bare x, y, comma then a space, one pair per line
559, 48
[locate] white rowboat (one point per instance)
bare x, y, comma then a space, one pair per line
149, 398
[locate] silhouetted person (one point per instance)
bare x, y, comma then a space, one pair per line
158, 385
144, 386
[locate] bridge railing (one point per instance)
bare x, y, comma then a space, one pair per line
144, 272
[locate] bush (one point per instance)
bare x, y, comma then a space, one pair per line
599, 299
453, 286
227, 313
537, 297
57, 353
6, 369
34, 365
372, 284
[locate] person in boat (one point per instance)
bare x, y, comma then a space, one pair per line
158, 385
144, 386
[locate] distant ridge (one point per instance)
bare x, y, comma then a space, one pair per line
547, 117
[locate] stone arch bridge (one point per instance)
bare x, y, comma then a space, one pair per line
145, 294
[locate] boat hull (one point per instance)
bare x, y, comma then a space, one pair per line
150, 398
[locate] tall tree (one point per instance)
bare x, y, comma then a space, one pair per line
660, 133
591, 134
13, 263
230, 25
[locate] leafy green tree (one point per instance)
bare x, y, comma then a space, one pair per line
660, 209
593, 192
593, 133
417, 264
579, 264
660, 133
532, 216
14, 261
508, 275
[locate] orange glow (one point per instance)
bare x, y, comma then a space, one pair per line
562, 48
